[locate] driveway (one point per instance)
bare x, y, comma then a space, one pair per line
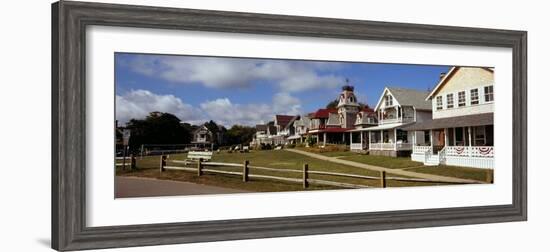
147, 187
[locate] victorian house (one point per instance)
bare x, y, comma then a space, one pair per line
333, 126
396, 109
461, 131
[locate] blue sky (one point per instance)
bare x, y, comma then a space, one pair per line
249, 91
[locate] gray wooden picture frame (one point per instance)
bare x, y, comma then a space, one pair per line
69, 21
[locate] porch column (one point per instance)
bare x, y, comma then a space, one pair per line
446, 130
344, 138
361, 133
324, 139
414, 138
470, 141
432, 139
350, 138
395, 139
381, 137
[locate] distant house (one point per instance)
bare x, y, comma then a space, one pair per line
333, 125
206, 137
461, 131
396, 109
265, 134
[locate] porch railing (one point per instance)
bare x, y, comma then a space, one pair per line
356, 146
396, 120
470, 151
404, 146
390, 146
417, 149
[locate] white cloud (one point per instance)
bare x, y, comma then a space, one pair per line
284, 103
137, 104
288, 75
223, 111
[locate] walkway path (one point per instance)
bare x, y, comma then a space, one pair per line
435, 178
148, 187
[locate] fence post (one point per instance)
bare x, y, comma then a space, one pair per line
162, 163
383, 179
132, 162
245, 171
199, 167
305, 176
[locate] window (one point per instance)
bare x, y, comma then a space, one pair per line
426, 136
479, 133
389, 100
474, 96
489, 94
439, 103
401, 136
461, 98
459, 136
450, 101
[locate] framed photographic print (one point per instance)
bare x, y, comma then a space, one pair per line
225, 125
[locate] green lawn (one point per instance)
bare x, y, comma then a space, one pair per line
388, 162
458, 172
279, 159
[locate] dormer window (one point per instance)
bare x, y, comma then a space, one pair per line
389, 100
439, 102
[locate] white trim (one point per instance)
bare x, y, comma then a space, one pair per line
395, 102
434, 91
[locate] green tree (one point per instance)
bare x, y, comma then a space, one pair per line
158, 128
239, 134
332, 104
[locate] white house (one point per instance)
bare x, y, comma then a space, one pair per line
204, 137
396, 109
461, 130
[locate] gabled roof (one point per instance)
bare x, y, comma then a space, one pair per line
283, 120
322, 113
446, 78
367, 110
303, 121
407, 97
292, 121
202, 128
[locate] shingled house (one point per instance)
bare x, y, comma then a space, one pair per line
461, 131
396, 109
334, 125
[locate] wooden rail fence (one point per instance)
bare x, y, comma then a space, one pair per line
126, 161
201, 167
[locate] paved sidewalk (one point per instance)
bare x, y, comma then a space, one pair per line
435, 178
148, 187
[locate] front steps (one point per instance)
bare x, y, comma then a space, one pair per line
431, 160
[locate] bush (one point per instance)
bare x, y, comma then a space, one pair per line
264, 146
291, 146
